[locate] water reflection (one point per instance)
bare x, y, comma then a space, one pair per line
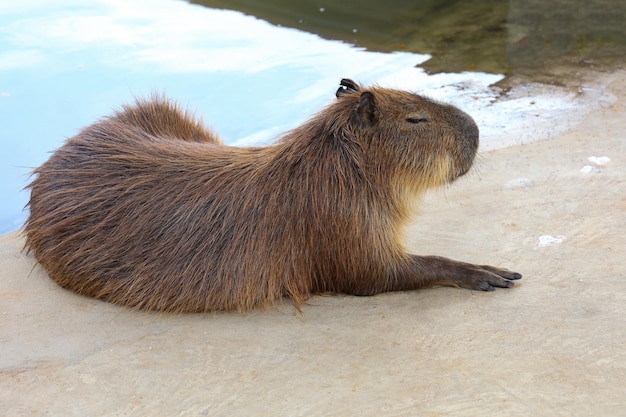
64, 63
534, 39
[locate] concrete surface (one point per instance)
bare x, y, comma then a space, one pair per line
551, 346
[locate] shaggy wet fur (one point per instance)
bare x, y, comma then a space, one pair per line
148, 209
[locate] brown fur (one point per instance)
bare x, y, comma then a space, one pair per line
148, 209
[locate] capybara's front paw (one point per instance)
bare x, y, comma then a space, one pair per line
486, 278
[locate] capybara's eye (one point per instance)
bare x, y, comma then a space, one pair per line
416, 120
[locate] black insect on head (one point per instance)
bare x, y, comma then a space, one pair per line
346, 86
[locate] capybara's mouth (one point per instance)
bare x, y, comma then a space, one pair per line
464, 170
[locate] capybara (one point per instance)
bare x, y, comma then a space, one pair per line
149, 209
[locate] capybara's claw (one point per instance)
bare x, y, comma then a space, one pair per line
487, 278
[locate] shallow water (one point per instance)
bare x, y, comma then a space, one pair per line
64, 63
532, 40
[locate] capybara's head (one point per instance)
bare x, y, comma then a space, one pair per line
419, 137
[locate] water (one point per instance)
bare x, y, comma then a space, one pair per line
531, 40
64, 63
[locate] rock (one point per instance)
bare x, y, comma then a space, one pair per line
519, 183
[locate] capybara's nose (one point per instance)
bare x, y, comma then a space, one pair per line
467, 141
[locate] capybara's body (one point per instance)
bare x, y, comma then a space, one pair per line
148, 209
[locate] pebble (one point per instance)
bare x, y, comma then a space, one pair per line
519, 183
588, 169
599, 160
548, 240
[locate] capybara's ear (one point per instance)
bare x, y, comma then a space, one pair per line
346, 86
367, 111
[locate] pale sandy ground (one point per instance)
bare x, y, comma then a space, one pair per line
552, 346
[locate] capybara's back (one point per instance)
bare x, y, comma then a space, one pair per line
148, 209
